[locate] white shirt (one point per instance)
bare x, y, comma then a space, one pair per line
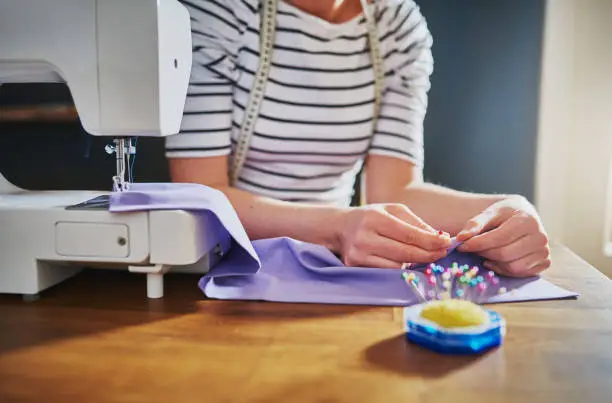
314, 125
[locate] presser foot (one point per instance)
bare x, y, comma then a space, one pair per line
123, 149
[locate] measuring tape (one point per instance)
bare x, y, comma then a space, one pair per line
266, 45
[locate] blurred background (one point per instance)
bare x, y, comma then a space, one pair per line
521, 102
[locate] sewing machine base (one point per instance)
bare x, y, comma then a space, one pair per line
42, 242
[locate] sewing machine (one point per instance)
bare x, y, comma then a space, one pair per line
127, 65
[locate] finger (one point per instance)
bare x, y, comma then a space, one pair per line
524, 267
408, 234
399, 252
520, 248
539, 268
403, 213
500, 269
505, 234
484, 221
496, 268
377, 262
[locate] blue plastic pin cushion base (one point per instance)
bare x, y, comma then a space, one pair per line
467, 340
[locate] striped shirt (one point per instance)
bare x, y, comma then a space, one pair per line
314, 127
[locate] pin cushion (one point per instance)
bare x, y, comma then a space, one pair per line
454, 326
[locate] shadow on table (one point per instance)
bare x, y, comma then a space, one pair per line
261, 311
92, 302
397, 355
99, 301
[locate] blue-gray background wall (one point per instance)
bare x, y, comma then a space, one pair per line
480, 128
482, 121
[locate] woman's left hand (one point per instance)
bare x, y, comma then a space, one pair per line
510, 236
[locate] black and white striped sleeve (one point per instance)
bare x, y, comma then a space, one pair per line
217, 27
399, 132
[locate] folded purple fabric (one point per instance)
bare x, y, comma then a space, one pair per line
287, 270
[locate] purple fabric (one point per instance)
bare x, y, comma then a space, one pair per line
286, 270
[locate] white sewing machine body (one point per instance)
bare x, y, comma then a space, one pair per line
42, 242
127, 65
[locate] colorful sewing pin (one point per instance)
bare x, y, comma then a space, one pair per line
481, 287
502, 290
433, 282
413, 281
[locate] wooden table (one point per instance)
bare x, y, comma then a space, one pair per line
96, 338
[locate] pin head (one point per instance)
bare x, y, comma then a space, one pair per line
481, 287
459, 293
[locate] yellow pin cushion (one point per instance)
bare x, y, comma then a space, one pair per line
454, 313
453, 326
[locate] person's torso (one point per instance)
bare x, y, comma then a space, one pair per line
315, 122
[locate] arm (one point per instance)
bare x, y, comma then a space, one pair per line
424, 199
263, 217
383, 236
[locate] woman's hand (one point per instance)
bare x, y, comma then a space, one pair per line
510, 235
388, 236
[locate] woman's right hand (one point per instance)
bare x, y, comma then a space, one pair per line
389, 236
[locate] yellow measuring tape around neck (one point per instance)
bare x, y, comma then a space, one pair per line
266, 47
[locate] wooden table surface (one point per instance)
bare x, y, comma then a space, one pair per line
96, 338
